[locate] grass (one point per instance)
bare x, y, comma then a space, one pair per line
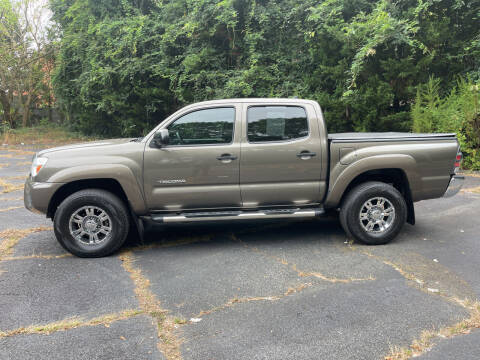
426, 340
234, 301
10, 208
12, 198
180, 321
36, 256
71, 323
330, 279
11, 237
14, 153
41, 134
20, 177
472, 190
9, 187
169, 344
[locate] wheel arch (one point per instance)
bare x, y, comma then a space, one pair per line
397, 177
121, 177
68, 189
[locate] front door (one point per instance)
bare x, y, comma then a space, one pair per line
281, 156
199, 168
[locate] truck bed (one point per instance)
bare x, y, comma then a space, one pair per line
386, 136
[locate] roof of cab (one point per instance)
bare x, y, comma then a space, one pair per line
253, 100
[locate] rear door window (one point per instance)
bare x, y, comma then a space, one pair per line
276, 123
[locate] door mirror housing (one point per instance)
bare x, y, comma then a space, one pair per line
160, 138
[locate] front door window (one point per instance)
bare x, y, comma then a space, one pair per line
203, 127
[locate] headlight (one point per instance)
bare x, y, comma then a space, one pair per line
37, 164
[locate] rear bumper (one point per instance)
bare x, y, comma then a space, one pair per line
37, 195
456, 183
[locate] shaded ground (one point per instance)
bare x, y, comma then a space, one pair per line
284, 290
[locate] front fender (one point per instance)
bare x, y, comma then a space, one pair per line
121, 173
342, 176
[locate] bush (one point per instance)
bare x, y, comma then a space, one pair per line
458, 111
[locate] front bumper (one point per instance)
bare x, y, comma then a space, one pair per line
37, 195
456, 183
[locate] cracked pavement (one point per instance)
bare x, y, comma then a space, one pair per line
253, 290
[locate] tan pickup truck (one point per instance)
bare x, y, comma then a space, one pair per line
239, 159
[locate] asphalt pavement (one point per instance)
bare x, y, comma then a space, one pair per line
276, 290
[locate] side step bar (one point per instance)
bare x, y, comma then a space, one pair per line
238, 215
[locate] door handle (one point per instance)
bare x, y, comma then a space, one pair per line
305, 154
224, 157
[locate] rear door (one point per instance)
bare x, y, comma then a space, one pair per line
199, 168
280, 155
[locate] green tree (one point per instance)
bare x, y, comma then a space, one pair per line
125, 64
23, 44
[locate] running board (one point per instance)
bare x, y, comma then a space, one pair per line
238, 215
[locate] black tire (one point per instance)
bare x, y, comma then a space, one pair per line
101, 199
353, 205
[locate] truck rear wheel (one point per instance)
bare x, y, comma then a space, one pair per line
373, 213
91, 223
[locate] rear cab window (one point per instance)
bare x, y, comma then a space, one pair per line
276, 123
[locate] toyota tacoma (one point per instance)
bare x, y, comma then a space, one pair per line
239, 159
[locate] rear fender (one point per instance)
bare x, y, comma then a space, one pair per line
377, 162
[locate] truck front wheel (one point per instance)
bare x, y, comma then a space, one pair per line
91, 223
373, 213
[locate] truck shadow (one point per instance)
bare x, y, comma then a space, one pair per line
322, 230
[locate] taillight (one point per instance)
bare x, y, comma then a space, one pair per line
458, 161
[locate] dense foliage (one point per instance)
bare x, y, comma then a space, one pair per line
26, 62
458, 111
125, 64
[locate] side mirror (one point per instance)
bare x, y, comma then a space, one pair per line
160, 138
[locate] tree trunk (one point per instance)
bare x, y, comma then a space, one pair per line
50, 117
7, 117
26, 109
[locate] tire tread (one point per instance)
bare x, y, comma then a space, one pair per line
348, 216
102, 196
